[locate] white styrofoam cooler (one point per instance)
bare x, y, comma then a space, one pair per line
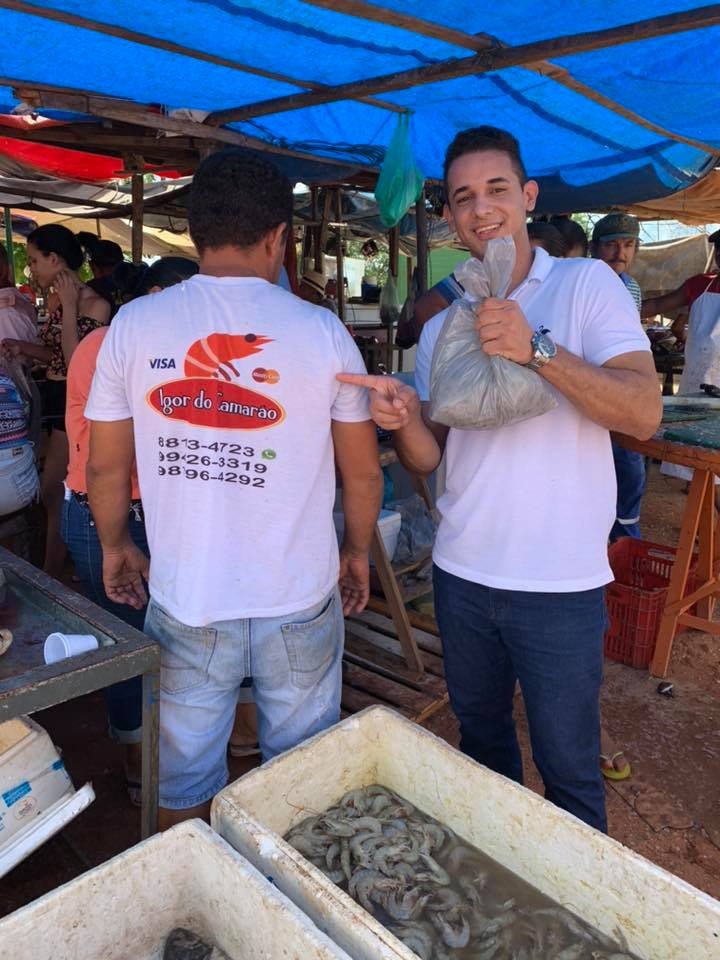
37, 797
609, 886
389, 523
186, 877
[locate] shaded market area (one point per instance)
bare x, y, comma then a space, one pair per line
401, 830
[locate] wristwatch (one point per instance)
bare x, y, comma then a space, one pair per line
543, 347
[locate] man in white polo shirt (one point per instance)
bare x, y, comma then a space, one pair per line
521, 552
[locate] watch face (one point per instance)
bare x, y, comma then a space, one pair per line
545, 346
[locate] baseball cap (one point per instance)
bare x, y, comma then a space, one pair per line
315, 279
616, 226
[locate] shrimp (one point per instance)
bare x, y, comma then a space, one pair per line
362, 883
212, 356
453, 927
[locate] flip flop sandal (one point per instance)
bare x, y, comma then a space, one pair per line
609, 772
240, 750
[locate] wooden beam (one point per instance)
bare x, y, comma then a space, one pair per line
487, 60
137, 166
394, 250
158, 43
405, 21
126, 111
7, 219
561, 76
32, 195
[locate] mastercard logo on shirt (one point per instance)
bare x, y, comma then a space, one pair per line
210, 394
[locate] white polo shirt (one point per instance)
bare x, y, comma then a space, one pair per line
530, 506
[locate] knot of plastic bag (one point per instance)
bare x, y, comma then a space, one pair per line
489, 277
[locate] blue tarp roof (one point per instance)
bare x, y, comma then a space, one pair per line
585, 154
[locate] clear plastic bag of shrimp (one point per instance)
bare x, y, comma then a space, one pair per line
468, 389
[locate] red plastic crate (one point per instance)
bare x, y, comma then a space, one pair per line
636, 598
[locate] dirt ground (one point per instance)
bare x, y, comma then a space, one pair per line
669, 811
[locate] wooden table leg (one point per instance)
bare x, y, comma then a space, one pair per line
702, 479
150, 752
395, 603
706, 549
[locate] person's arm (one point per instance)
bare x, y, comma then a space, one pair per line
357, 461
112, 453
395, 406
25, 349
426, 307
665, 304
621, 394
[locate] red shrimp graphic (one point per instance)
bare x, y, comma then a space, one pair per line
213, 355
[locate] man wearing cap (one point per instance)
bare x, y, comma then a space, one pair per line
615, 239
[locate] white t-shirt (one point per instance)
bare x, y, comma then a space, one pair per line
529, 507
231, 386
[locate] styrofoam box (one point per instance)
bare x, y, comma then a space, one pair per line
186, 877
389, 523
609, 886
37, 797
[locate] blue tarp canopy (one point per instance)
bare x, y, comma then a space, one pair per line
612, 103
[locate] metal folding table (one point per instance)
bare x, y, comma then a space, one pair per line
37, 605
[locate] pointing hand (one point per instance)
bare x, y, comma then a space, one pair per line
393, 404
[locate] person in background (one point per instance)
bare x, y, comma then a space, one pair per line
123, 700
18, 321
575, 238
103, 257
237, 433
615, 241
313, 289
544, 235
74, 310
699, 294
19, 483
428, 305
520, 557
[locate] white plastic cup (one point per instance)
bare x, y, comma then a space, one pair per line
59, 646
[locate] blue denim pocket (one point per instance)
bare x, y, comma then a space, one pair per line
186, 651
312, 644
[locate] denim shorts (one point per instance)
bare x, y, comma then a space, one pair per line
19, 482
296, 665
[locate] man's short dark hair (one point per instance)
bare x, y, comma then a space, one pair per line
236, 199
480, 140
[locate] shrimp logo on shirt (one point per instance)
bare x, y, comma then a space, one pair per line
211, 394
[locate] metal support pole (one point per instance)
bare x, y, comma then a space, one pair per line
421, 227
339, 260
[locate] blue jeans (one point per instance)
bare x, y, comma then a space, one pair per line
19, 484
553, 644
630, 476
123, 700
295, 662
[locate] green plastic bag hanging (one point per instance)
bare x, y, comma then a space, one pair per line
400, 182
